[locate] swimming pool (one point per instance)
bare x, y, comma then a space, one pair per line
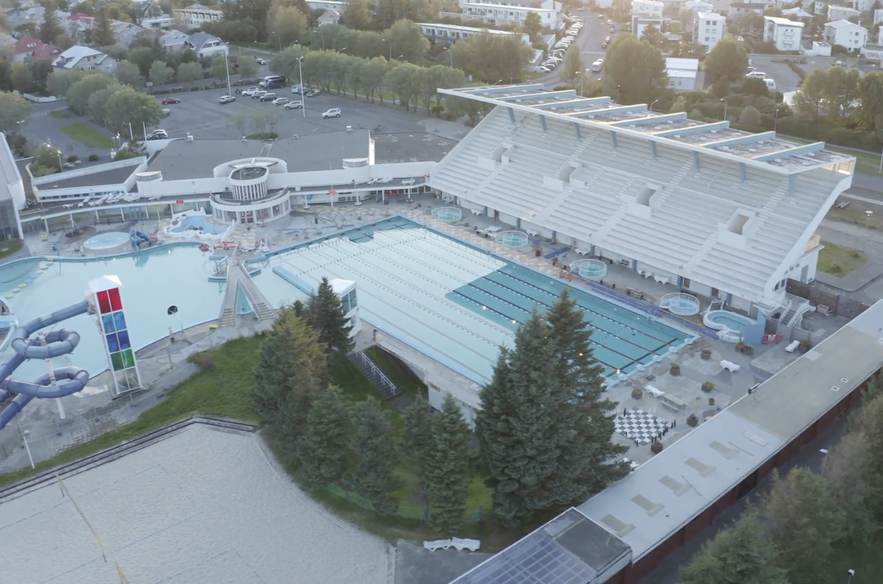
152, 281
456, 303
198, 223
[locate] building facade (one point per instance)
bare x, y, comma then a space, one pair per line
195, 16
783, 33
491, 12
708, 29
850, 36
12, 193
449, 34
682, 73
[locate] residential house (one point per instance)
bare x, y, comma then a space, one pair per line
125, 33
77, 24
28, 48
206, 45
782, 33
694, 6
17, 17
682, 73
174, 40
164, 22
647, 13
84, 59
861, 5
329, 17
846, 34
739, 10
708, 29
337, 5
841, 13
195, 15
878, 15
515, 12
448, 34
797, 13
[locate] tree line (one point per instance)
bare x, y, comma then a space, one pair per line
544, 429
790, 536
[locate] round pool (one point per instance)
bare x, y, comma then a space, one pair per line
104, 241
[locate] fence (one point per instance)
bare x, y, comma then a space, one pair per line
838, 303
420, 513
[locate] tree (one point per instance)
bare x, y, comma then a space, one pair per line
356, 15
160, 73
533, 25
493, 58
749, 116
97, 102
869, 422
447, 472
406, 39
59, 82
587, 458
514, 425
188, 72
803, 521
46, 160
323, 449
372, 445
143, 57
285, 62
247, 67
853, 490
289, 376
634, 71
652, 35
78, 95
102, 34
737, 555
573, 68
287, 24
21, 79
417, 441
326, 315
129, 74
219, 68
50, 29
870, 90
808, 99
13, 109
728, 59
829, 92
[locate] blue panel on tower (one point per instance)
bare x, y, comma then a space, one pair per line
107, 323
123, 337
119, 321
113, 344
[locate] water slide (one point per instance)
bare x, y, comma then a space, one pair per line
61, 382
139, 238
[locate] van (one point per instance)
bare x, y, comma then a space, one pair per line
756, 75
770, 84
597, 66
272, 82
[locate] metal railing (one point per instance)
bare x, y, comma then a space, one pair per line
380, 374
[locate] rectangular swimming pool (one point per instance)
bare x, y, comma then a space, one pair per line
456, 303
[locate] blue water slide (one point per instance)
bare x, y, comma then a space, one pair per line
139, 238
63, 380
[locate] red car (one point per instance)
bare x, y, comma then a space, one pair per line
171, 101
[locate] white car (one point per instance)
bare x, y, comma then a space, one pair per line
158, 135
260, 61
280, 101
332, 113
294, 105
250, 91
597, 66
227, 99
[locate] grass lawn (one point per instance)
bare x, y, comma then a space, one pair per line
57, 114
867, 561
840, 261
397, 372
87, 136
856, 215
9, 247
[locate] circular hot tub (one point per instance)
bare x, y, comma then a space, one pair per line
104, 241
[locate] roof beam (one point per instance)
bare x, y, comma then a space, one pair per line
747, 139
796, 151
652, 119
700, 129
497, 89
600, 113
586, 102
546, 95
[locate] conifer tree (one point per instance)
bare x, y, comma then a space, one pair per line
587, 456
50, 29
447, 473
324, 447
288, 377
737, 555
327, 316
103, 34
372, 444
417, 441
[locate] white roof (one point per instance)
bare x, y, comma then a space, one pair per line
675, 63
843, 24
74, 55
831, 7
783, 21
710, 16
656, 3
798, 12
460, 28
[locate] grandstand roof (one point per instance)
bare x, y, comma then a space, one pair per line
764, 150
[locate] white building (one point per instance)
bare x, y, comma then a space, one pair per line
841, 12
783, 33
846, 34
174, 40
491, 12
743, 9
632, 186
206, 45
878, 15
336, 5
796, 13
330, 16
682, 73
345, 290
694, 6
861, 5
195, 16
647, 8
85, 59
451, 33
708, 29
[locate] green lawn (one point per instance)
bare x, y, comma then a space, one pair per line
840, 261
397, 372
87, 136
867, 561
857, 216
9, 247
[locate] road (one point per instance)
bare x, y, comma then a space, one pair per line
589, 40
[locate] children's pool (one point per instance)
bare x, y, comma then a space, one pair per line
198, 223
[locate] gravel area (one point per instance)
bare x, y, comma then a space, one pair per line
201, 507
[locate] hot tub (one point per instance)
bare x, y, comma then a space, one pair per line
733, 327
104, 241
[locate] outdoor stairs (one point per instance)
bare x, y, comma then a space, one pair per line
372, 372
789, 316
238, 279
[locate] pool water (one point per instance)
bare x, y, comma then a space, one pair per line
198, 223
152, 281
731, 322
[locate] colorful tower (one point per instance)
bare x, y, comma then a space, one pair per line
104, 294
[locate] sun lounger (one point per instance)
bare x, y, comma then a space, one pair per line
439, 544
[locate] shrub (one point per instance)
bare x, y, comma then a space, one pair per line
93, 157
73, 158
749, 117
206, 364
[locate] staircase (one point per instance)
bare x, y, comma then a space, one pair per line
238, 278
372, 372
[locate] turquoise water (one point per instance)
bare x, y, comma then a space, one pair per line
198, 223
152, 281
730, 320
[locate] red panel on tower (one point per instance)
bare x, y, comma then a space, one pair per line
115, 301
103, 302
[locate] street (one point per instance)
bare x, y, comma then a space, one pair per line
589, 40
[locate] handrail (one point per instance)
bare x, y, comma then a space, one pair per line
375, 369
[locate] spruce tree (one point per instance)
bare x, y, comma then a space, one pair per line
103, 33
50, 29
416, 441
288, 377
516, 425
327, 316
324, 447
447, 473
737, 555
587, 458
372, 444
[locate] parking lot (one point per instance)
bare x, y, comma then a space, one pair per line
776, 67
203, 116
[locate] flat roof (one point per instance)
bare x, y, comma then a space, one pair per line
181, 160
764, 150
114, 176
410, 147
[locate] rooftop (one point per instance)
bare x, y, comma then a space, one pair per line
844, 24
763, 150
114, 176
783, 21
410, 147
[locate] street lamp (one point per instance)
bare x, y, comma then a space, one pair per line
776, 120
227, 67
824, 451
303, 101
851, 573
868, 214
499, 81
725, 108
652, 104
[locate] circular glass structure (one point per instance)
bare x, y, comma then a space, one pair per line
106, 240
448, 214
590, 269
513, 239
680, 304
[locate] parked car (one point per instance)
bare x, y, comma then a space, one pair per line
227, 99
268, 97
258, 94
332, 113
280, 101
597, 66
294, 105
250, 91
170, 101
603, 45
313, 92
260, 61
158, 135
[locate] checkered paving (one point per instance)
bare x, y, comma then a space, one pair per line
638, 425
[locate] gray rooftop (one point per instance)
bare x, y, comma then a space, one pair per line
321, 151
410, 147
114, 176
570, 549
182, 160
763, 150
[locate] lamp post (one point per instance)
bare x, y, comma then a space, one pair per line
303, 101
824, 452
227, 67
776, 120
451, 55
851, 573
617, 93
725, 108
868, 214
652, 104
498, 82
